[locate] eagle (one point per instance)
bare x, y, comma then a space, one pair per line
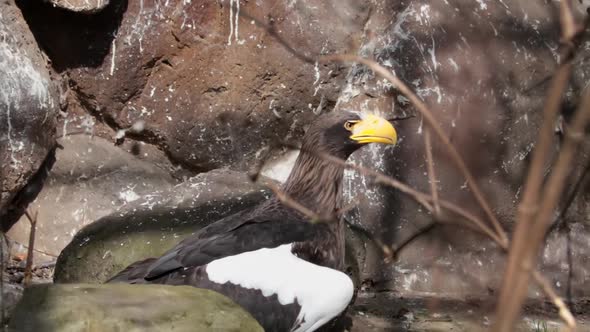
282, 267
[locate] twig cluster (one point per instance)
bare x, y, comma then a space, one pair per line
535, 210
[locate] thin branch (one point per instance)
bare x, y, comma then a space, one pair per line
564, 312
385, 249
29, 266
431, 174
424, 230
34, 249
570, 199
292, 203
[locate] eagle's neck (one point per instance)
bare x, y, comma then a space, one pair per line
317, 184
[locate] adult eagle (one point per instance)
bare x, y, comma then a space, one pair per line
270, 259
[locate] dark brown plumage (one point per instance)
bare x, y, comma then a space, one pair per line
315, 183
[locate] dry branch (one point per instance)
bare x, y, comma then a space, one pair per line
431, 174
29, 266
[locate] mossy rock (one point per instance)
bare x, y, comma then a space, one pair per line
130, 308
147, 229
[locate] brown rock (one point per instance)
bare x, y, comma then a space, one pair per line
28, 105
212, 87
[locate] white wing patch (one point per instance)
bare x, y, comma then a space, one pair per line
321, 292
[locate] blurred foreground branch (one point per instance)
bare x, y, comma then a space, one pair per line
536, 208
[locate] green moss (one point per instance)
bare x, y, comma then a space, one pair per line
120, 307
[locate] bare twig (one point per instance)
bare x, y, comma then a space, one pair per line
570, 199
292, 203
29, 266
34, 249
564, 312
431, 174
400, 118
385, 249
400, 246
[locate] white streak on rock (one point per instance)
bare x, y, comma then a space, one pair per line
454, 64
114, 48
234, 22
433, 54
482, 5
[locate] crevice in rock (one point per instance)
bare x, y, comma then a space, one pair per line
71, 39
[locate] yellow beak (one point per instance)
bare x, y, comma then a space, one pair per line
374, 129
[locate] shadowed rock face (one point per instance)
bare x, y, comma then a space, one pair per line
120, 307
29, 103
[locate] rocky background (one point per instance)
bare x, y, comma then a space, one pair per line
140, 119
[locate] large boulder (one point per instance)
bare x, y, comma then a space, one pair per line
29, 102
91, 178
118, 307
212, 87
153, 224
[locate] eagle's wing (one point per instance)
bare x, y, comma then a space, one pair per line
238, 233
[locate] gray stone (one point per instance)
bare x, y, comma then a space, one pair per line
90, 179
118, 307
29, 102
153, 224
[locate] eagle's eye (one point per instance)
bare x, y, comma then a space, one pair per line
349, 124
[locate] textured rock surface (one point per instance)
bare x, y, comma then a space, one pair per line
90, 179
29, 103
80, 307
153, 224
212, 87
